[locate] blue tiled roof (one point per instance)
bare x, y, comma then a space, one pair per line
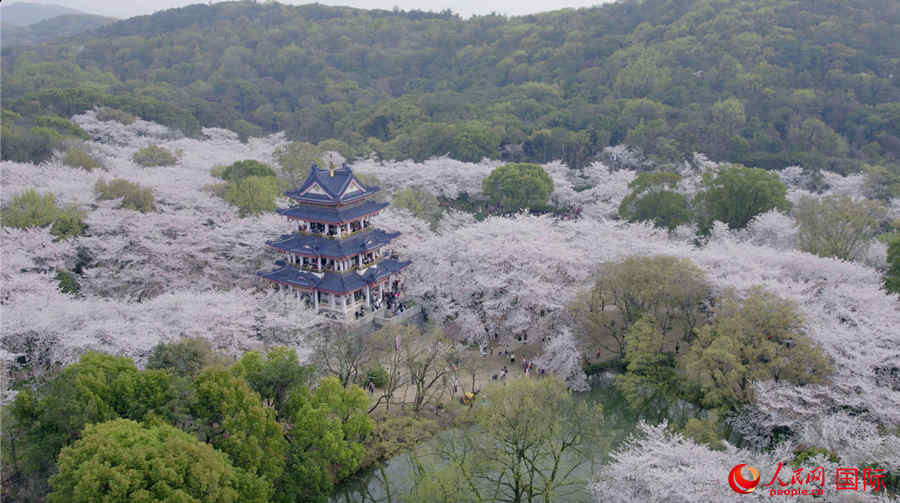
333, 214
383, 269
339, 283
292, 276
315, 246
333, 185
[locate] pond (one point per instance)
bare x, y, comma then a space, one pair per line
390, 481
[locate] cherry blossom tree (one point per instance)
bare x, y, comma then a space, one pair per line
561, 357
659, 465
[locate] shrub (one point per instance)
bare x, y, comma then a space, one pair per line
69, 223
377, 376
113, 114
78, 158
804, 455
67, 282
154, 155
133, 196
30, 209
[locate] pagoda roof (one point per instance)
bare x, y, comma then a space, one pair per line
331, 187
332, 214
319, 246
333, 282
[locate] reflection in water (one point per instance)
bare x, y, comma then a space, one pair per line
389, 482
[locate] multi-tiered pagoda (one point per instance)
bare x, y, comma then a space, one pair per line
335, 257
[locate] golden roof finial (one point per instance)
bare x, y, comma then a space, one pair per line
330, 168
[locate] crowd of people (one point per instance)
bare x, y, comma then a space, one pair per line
526, 364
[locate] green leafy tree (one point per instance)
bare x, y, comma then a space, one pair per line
98, 388
125, 461
727, 118
646, 75
892, 274
532, 436
421, 203
737, 194
133, 196
649, 379
519, 185
30, 209
296, 160
758, 339
881, 182
154, 155
328, 426
253, 195
812, 134
274, 375
243, 169
184, 358
652, 198
669, 289
231, 417
838, 226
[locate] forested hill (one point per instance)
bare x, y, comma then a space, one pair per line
64, 25
763, 82
25, 13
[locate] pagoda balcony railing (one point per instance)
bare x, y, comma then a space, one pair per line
335, 236
353, 267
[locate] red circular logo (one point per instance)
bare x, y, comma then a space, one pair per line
740, 484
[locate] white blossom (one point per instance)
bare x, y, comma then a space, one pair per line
561, 357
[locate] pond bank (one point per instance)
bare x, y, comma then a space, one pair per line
389, 481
